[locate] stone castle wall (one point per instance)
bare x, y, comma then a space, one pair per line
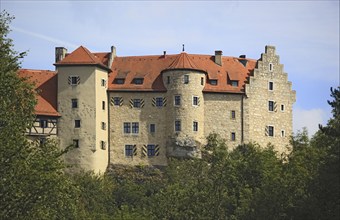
258, 116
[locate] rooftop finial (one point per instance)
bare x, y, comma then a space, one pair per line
183, 47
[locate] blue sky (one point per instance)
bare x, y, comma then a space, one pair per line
305, 34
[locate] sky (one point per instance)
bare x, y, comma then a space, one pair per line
305, 34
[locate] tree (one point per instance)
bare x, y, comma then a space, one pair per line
32, 182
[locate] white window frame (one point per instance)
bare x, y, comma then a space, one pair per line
193, 100
74, 76
179, 100
269, 86
186, 79
180, 126
271, 67
195, 126
283, 133
269, 131
273, 106
282, 107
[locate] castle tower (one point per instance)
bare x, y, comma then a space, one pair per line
269, 103
184, 82
82, 103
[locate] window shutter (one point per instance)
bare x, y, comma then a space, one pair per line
153, 101
266, 131
69, 80
131, 103
134, 150
156, 150
112, 101
164, 101
142, 103
120, 101
78, 80
198, 101
275, 106
144, 150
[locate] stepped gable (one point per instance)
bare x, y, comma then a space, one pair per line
82, 56
150, 68
45, 82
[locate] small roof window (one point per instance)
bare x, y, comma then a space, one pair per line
213, 82
119, 81
138, 81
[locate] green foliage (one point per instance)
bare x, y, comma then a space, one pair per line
248, 182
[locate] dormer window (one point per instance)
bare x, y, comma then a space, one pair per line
138, 81
213, 82
234, 83
119, 81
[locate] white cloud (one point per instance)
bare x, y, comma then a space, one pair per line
310, 119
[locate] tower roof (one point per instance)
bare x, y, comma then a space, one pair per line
183, 61
81, 56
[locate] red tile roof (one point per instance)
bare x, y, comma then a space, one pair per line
152, 67
46, 86
82, 56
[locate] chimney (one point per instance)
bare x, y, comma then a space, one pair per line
218, 57
242, 56
112, 56
60, 53
164, 53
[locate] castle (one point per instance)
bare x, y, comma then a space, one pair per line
144, 109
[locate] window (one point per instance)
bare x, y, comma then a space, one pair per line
283, 133
151, 150
74, 103
138, 81
168, 80
271, 86
177, 100
127, 127
103, 83
177, 125
186, 79
271, 106
43, 123
213, 82
202, 81
270, 67
136, 103
116, 101
73, 80
77, 123
233, 114
195, 100
152, 128
103, 145
195, 126
159, 101
76, 143
233, 136
128, 150
119, 81
103, 124
135, 127
282, 108
271, 131
234, 83
103, 105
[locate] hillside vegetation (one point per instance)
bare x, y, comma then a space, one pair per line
249, 182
